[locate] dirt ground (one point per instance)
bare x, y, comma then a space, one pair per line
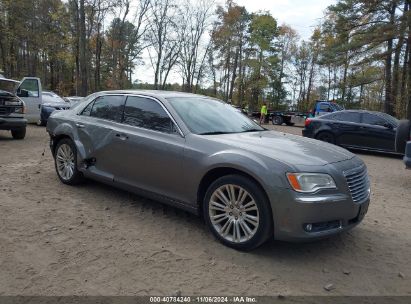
96, 240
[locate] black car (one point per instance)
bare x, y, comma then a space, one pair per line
355, 129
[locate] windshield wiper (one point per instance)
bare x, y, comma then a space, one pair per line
254, 130
214, 133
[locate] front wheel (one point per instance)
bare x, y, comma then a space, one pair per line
237, 212
65, 160
18, 133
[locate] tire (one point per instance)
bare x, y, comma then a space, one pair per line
229, 217
65, 162
278, 120
402, 135
326, 137
18, 133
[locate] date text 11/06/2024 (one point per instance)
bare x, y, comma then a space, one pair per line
182, 299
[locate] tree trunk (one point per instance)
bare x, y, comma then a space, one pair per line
83, 55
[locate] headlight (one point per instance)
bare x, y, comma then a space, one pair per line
310, 182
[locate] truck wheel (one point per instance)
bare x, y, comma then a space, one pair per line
18, 133
278, 120
402, 135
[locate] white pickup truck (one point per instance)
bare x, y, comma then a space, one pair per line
30, 91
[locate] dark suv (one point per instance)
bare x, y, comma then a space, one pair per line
403, 141
12, 109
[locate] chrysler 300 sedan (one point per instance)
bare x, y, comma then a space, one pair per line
202, 155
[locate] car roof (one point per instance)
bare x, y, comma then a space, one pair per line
355, 111
154, 93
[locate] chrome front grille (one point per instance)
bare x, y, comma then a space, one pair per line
358, 183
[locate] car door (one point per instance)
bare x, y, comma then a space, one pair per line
29, 91
150, 149
377, 133
347, 128
96, 127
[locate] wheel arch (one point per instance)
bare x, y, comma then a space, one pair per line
218, 172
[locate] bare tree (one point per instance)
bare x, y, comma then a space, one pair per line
195, 22
164, 47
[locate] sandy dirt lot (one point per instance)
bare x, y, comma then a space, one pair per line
96, 240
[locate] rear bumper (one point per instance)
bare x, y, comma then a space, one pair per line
327, 214
407, 156
9, 123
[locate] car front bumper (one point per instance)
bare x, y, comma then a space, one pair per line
326, 214
9, 123
407, 156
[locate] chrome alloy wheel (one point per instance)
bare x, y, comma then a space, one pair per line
233, 213
65, 162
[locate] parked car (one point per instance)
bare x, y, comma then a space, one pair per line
355, 129
249, 183
403, 140
12, 109
51, 103
73, 99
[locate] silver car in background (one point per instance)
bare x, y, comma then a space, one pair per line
202, 155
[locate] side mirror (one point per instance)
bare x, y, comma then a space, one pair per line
23, 93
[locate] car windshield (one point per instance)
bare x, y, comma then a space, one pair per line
206, 116
394, 121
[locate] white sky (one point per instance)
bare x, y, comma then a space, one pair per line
302, 15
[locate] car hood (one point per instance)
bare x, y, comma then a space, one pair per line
287, 148
9, 85
64, 105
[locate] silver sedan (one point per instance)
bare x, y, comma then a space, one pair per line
200, 154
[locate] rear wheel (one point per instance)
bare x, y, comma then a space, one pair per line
278, 120
327, 137
18, 133
65, 160
402, 135
237, 212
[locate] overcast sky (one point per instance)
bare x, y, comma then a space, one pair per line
302, 15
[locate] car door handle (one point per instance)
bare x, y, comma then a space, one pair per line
79, 125
121, 136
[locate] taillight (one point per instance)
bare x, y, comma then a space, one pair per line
307, 122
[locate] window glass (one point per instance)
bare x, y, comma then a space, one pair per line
324, 107
31, 86
148, 114
392, 120
87, 110
372, 119
108, 107
347, 116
